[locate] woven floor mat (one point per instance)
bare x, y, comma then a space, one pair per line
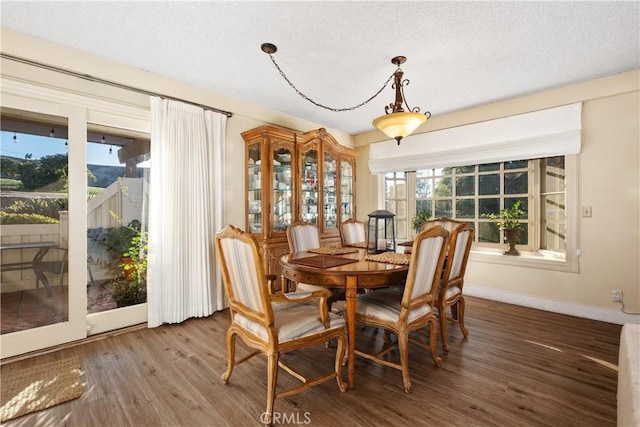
39, 387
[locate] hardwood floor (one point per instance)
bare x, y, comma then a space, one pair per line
519, 367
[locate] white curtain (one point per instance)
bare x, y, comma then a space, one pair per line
185, 211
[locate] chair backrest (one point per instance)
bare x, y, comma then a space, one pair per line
352, 232
446, 223
458, 254
425, 267
303, 236
242, 272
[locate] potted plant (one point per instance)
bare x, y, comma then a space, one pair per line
131, 288
126, 292
418, 220
509, 221
118, 239
136, 268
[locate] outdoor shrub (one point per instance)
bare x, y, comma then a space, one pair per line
45, 207
10, 184
8, 218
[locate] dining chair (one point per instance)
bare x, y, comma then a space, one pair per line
272, 324
410, 309
450, 294
303, 236
446, 223
352, 233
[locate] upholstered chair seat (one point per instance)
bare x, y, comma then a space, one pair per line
386, 305
292, 321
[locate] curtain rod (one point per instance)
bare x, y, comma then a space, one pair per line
107, 82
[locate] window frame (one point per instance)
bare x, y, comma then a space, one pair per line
531, 255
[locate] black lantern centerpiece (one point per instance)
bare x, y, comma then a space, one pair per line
382, 232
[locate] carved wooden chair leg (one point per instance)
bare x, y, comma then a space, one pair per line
272, 376
454, 312
231, 354
433, 341
461, 305
443, 327
403, 346
340, 362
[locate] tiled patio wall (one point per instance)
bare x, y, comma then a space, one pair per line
25, 233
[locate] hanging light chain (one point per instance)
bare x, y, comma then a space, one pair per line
324, 106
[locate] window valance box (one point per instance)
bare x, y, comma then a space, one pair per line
545, 133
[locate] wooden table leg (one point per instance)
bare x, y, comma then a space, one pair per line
350, 299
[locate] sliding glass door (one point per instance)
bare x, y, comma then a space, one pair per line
73, 212
117, 210
42, 288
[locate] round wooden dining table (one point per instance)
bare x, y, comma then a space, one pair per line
357, 274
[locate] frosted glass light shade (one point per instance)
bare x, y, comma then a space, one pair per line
399, 125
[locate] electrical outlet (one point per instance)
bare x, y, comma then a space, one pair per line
617, 296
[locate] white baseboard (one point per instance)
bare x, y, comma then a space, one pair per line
578, 310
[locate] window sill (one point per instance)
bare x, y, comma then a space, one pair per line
541, 260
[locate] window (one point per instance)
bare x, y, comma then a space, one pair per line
464, 171
396, 201
467, 192
553, 204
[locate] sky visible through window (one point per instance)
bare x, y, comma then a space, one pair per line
40, 146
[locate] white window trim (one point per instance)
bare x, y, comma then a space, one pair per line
541, 259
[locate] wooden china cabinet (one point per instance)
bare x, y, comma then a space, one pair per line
327, 178
292, 177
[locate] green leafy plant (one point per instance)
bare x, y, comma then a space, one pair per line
118, 239
419, 219
9, 184
130, 243
126, 292
45, 207
8, 218
132, 287
135, 267
49, 173
508, 218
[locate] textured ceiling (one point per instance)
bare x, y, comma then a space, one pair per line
460, 54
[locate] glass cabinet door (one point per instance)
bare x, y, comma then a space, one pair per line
282, 197
329, 186
254, 189
346, 190
309, 182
